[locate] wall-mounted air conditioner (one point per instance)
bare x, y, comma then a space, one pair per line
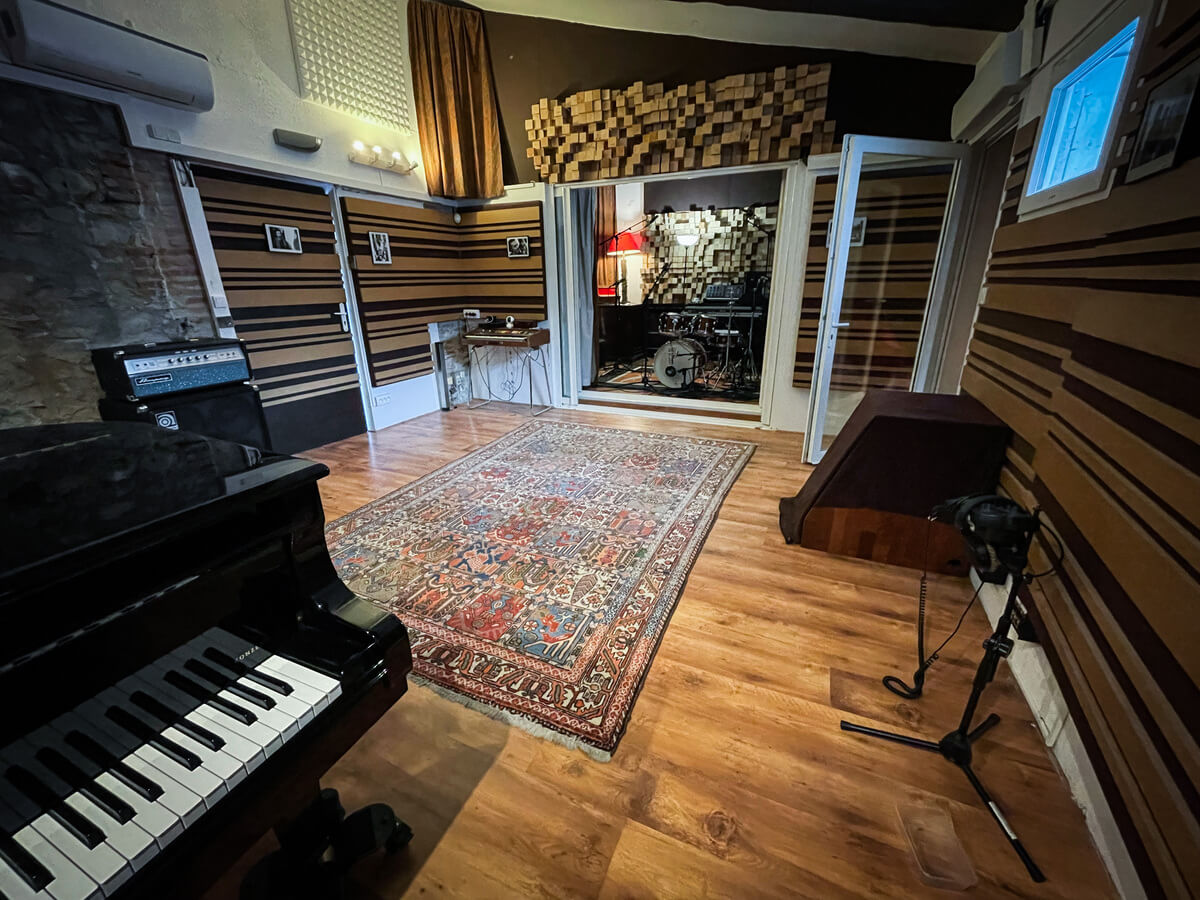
52, 38
997, 84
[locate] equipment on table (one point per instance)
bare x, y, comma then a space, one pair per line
998, 533
181, 663
898, 454
525, 343
202, 386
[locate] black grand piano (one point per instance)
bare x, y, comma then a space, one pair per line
179, 662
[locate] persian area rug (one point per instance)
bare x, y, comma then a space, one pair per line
537, 574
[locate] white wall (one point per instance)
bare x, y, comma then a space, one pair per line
630, 211
248, 45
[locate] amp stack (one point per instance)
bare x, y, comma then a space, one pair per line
202, 386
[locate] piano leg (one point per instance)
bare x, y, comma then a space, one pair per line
301, 869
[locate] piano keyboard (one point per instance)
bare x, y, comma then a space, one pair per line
91, 797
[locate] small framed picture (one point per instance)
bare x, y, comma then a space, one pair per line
1163, 124
283, 239
858, 232
518, 247
381, 248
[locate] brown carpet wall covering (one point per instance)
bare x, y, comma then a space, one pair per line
1087, 346
457, 115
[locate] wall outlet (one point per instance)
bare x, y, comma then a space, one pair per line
381, 399
470, 314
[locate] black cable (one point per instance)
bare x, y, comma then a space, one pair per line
1058, 557
961, 619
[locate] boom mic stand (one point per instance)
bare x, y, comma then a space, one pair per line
956, 745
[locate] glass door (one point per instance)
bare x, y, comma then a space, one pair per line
886, 251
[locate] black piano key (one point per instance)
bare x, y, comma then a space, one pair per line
131, 778
278, 685
232, 710
109, 802
32, 872
164, 713
88, 833
150, 735
208, 673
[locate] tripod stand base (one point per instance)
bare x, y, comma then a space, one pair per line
956, 747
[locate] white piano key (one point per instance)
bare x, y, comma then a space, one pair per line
234, 646
200, 781
257, 733
70, 882
154, 818
128, 839
275, 719
175, 798
102, 864
13, 886
250, 755
293, 671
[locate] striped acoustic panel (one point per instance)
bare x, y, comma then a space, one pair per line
1088, 346
438, 268
887, 278
285, 305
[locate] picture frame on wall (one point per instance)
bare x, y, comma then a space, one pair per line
858, 232
518, 246
283, 238
1164, 121
381, 248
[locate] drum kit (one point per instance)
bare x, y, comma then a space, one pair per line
701, 351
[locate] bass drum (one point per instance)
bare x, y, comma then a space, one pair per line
678, 363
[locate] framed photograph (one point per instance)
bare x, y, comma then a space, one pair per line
283, 239
381, 248
1163, 123
518, 247
858, 232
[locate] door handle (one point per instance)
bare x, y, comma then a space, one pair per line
841, 324
341, 314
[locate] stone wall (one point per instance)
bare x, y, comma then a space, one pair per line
93, 252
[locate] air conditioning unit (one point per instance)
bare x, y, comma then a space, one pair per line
997, 83
52, 38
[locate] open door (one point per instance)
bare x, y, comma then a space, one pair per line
888, 257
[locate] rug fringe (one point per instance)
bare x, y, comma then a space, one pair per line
515, 719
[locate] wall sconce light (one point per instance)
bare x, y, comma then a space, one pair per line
687, 240
381, 158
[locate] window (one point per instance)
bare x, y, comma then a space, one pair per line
1080, 114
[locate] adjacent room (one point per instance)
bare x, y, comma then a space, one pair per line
682, 449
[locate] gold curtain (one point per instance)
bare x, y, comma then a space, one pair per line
457, 116
606, 227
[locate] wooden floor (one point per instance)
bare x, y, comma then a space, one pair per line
733, 779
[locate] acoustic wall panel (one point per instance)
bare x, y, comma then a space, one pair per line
437, 269
351, 55
887, 278
1087, 346
286, 305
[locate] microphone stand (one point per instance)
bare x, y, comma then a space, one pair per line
955, 746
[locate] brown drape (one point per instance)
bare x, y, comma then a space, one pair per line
606, 227
457, 115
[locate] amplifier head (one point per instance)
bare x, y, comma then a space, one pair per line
137, 371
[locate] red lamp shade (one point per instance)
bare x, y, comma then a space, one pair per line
624, 244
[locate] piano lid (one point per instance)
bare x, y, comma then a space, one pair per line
67, 486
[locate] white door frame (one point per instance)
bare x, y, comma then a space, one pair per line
790, 235
854, 146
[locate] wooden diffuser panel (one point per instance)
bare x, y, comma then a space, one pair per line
648, 130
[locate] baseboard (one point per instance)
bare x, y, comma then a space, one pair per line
1034, 677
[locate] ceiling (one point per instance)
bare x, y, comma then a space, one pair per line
989, 15
956, 31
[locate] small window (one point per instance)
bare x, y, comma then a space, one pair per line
1080, 113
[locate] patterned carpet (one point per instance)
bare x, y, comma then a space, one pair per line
537, 574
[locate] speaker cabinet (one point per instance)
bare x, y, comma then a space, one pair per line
232, 413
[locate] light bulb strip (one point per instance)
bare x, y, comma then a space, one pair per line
380, 157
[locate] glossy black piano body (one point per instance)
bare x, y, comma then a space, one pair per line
122, 542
